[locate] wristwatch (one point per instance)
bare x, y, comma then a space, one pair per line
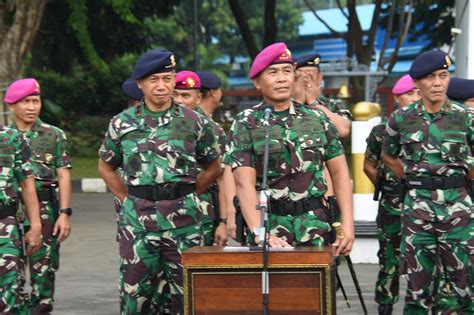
221, 220
67, 211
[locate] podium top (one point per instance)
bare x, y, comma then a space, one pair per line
219, 255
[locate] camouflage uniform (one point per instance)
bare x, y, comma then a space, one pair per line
49, 147
157, 149
301, 139
15, 166
334, 105
388, 223
436, 223
210, 198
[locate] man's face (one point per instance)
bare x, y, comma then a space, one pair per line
158, 88
27, 110
433, 87
276, 82
469, 102
189, 98
408, 97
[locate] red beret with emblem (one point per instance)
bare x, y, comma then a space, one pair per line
270, 55
187, 80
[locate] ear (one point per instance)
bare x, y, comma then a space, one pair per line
199, 97
256, 83
417, 83
139, 84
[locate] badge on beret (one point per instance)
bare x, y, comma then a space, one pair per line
48, 157
286, 55
448, 61
190, 82
172, 62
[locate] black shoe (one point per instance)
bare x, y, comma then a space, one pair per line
385, 309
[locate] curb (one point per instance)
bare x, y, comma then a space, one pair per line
89, 185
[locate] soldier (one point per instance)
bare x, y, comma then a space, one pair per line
301, 140
133, 93
16, 172
51, 168
187, 92
308, 91
388, 217
462, 91
158, 146
434, 139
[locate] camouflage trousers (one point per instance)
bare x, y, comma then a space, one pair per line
308, 229
44, 263
207, 218
431, 247
151, 275
11, 266
389, 235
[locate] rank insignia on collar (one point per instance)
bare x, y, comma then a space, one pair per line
48, 157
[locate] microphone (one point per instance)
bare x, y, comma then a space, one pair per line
268, 109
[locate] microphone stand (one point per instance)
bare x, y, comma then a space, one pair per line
264, 208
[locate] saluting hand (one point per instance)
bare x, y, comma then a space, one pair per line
62, 226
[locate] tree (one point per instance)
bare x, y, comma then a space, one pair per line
20, 20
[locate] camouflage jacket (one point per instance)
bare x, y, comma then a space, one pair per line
165, 148
373, 152
301, 139
334, 105
437, 144
49, 146
15, 164
217, 129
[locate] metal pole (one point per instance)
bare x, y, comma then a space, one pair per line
367, 88
195, 34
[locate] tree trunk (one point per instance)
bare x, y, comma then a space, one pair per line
18, 36
242, 22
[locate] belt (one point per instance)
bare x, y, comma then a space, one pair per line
161, 192
46, 195
437, 182
7, 210
288, 207
391, 189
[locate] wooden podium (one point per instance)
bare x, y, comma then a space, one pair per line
228, 280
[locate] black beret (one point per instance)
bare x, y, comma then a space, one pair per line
428, 62
154, 61
209, 80
130, 88
460, 89
310, 60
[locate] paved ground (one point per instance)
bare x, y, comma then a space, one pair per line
87, 280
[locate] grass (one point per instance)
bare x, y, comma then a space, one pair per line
84, 167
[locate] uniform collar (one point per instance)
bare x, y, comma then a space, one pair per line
36, 126
446, 108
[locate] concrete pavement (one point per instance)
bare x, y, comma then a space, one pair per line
87, 279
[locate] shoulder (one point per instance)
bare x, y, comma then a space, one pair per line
250, 115
48, 128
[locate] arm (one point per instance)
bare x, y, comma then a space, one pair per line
112, 180
343, 125
245, 180
220, 235
208, 175
229, 193
340, 175
30, 199
394, 163
62, 224
370, 169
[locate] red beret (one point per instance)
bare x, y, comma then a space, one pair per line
273, 54
187, 80
21, 89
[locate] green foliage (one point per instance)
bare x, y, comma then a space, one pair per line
84, 167
85, 135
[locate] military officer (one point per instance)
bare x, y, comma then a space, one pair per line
434, 139
51, 168
16, 171
158, 146
462, 91
187, 92
388, 216
133, 93
211, 92
301, 140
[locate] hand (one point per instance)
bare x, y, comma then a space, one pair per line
274, 241
62, 226
220, 236
231, 226
344, 246
33, 239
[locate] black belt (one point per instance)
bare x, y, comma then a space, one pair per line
391, 189
288, 207
7, 210
46, 195
438, 182
160, 192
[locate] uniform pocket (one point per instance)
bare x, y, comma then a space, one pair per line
412, 147
453, 147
